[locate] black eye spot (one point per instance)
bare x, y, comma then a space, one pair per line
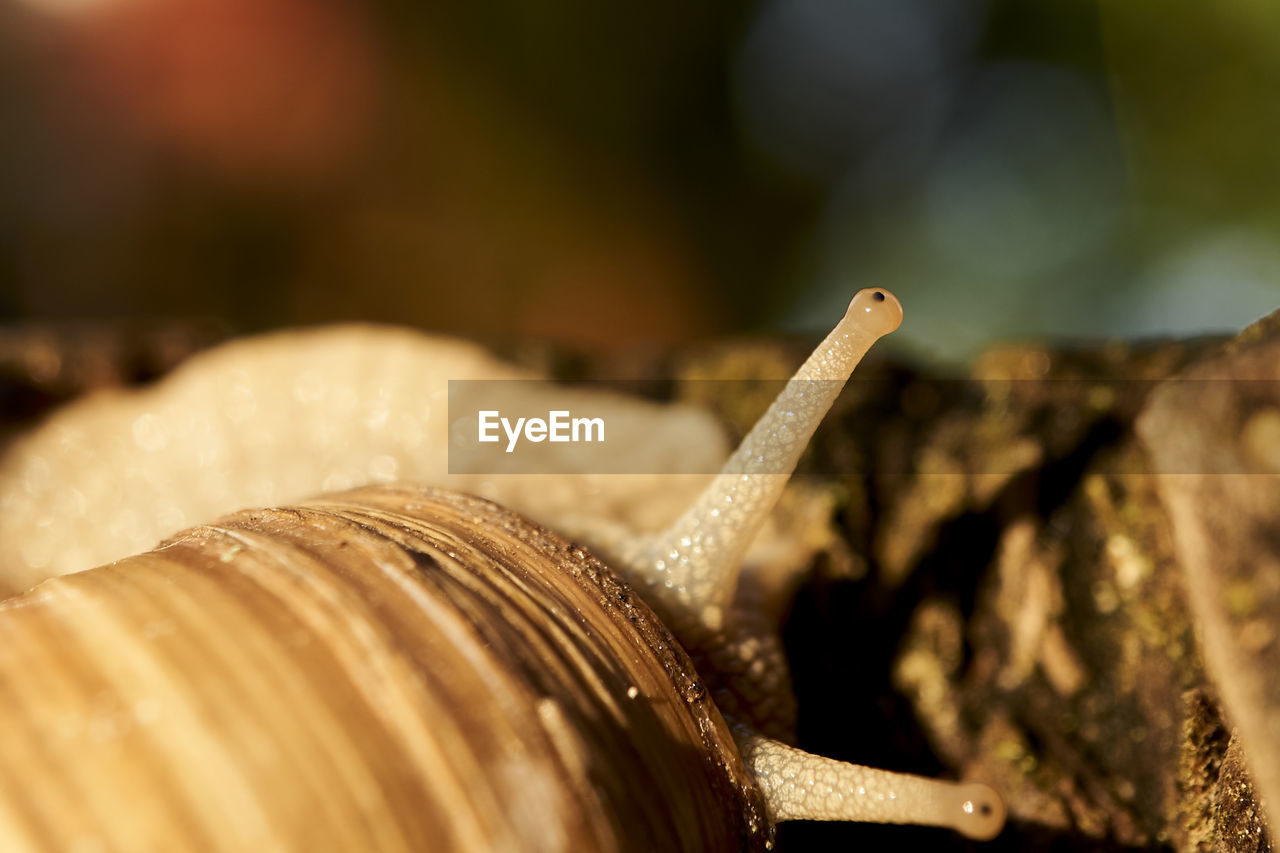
985, 809
878, 296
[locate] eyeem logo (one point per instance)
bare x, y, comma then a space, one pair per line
559, 426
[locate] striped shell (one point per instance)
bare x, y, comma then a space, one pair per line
391, 668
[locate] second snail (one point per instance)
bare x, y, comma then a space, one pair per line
401, 668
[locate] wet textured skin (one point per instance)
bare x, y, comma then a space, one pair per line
690, 574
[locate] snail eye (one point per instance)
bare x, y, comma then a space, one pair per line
875, 311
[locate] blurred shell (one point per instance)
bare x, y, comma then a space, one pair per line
391, 668
282, 417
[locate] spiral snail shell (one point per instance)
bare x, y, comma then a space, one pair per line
399, 667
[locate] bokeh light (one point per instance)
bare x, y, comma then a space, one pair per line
604, 176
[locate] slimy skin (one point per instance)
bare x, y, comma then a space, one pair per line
692, 571
801, 786
283, 418
697, 559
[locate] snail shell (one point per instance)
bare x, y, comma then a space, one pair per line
387, 668
279, 418
400, 668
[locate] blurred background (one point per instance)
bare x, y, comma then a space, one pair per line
605, 174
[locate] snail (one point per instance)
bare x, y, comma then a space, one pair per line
402, 667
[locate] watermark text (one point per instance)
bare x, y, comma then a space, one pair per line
558, 426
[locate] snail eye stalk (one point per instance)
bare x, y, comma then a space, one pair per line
694, 564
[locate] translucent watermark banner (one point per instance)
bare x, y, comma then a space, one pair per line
881, 426
536, 427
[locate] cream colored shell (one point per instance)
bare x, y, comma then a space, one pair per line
279, 418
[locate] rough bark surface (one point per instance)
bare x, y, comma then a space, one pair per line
1008, 596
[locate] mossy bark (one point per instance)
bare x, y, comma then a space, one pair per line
1009, 600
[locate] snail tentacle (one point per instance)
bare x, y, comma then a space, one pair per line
800, 786
397, 666
693, 567
696, 560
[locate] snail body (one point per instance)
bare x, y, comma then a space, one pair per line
397, 667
